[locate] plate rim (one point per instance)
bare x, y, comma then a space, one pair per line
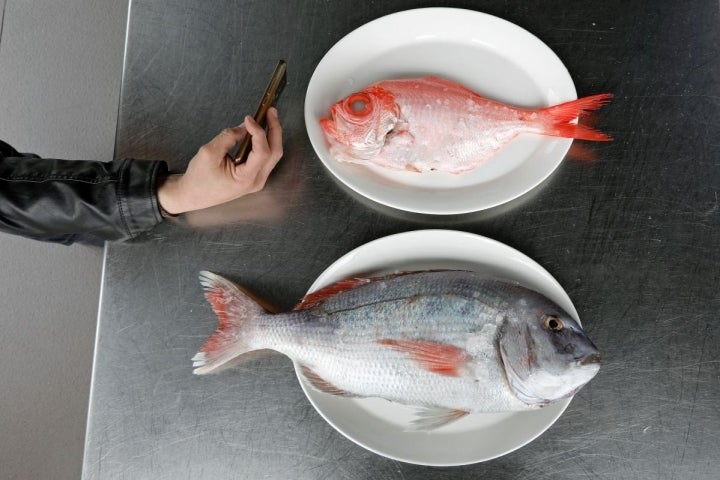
439, 236
561, 145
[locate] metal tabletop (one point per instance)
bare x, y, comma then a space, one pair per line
633, 237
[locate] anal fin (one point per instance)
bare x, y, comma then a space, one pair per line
430, 418
323, 385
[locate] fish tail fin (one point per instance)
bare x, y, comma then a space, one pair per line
558, 118
235, 310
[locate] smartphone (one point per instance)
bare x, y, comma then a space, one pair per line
270, 97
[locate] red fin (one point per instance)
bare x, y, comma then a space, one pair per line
321, 384
579, 132
318, 296
558, 118
435, 357
235, 310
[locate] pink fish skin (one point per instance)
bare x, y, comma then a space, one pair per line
424, 124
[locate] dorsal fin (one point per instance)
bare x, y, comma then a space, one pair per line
318, 296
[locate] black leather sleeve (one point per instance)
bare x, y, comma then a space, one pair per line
59, 199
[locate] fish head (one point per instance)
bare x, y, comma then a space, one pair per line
359, 124
545, 353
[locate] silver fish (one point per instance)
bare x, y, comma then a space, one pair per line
451, 342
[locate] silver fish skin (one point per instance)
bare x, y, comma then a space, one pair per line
454, 342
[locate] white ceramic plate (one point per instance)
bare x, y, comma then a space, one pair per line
380, 425
495, 58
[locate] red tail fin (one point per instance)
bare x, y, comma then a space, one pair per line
235, 311
558, 118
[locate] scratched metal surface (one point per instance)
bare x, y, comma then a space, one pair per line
632, 236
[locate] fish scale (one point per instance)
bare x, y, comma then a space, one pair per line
433, 318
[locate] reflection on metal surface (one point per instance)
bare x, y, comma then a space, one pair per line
271, 205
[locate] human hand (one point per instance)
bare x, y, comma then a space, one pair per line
212, 178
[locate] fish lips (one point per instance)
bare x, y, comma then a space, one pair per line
573, 341
593, 358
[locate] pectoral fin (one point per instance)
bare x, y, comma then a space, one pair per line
438, 358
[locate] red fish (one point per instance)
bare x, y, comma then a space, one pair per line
424, 124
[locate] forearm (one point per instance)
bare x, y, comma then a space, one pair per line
43, 197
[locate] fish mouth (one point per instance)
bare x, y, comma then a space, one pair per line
591, 359
336, 125
328, 126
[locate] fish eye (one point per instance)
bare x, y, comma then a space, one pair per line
358, 104
553, 323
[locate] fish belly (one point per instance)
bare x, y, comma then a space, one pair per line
447, 128
378, 372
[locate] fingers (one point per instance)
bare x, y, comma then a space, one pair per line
275, 134
225, 141
260, 146
266, 149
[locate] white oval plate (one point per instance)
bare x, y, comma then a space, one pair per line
494, 57
380, 425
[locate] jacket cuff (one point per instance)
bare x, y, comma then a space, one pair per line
137, 194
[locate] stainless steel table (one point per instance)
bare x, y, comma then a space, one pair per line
633, 237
